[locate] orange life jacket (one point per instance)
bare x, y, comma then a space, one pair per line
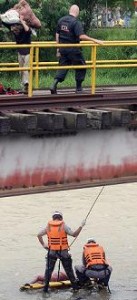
57, 237
94, 255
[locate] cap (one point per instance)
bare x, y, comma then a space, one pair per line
57, 213
91, 240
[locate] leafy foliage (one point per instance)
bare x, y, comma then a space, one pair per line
49, 11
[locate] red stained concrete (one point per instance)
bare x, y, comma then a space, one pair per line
39, 176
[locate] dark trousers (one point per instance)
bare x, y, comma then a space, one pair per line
101, 275
71, 57
66, 261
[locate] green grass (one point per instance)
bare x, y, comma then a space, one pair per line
103, 77
115, 76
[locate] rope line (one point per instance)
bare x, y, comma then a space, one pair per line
85, 220
94, 202
89, 211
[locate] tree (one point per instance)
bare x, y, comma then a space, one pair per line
86, 11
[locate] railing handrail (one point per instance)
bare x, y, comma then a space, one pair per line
56, 45
93, 63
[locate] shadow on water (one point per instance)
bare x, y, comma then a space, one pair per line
69, 295
89, 295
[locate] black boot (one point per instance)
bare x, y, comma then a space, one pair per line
26, 88
53, 88
78, 87
75, 286
45, 289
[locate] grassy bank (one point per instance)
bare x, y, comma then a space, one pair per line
104, 76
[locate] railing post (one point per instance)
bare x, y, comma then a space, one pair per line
37, 65
31, 72
93, 76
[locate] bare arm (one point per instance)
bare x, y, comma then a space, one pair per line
24, 24
40, 238
57, 37
57, 40
77, 232
84, 37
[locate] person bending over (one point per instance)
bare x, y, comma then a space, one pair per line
94, 265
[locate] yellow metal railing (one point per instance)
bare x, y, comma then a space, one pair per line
35, 65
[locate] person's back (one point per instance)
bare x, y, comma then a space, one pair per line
94, 255
57, 236
94, 264
67, 30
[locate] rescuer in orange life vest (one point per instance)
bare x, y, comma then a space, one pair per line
57, 231
94, 264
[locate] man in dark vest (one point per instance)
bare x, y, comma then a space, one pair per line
70, 31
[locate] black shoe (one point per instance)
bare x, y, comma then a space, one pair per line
88, 284
26, 88
20, 91
79, 284
45, 289
75, 287
53, 88
101, 286
78, 87
75, 290
79, 91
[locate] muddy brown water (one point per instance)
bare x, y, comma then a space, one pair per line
112, 222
